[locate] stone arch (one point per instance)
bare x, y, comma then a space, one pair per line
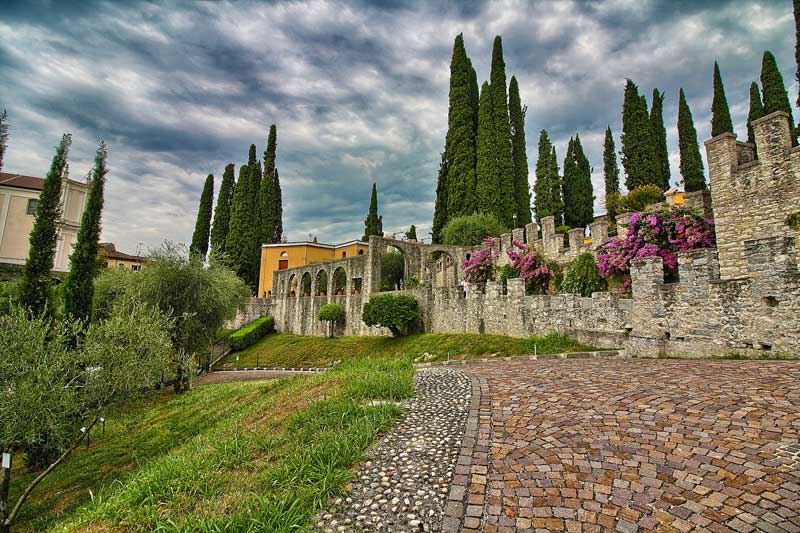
321, 285
394, 268
444, 269
339, 282
292, 285
305, 284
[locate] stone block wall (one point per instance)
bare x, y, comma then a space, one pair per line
255, 309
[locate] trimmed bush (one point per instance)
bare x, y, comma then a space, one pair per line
639, 198
331, 313
582, 276
251, 333
398, 312
471, 230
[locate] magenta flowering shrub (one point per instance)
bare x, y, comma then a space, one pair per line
531, 266
660, 233
479, 267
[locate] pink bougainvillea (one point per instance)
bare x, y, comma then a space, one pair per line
661, 233
479, 267
530, 265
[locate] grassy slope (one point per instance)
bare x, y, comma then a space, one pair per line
241, 456
283, 350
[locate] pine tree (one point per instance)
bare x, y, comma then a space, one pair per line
774, 95
440, 210
3, 136
691, 162
36, 279
755, 113
521, 188
461, 132
541, 187
79, 286
556, 201
610, 172
412, 233
373, 224
486, 187
222, 214
202, 226
506, 206
240, 236
660, 133
720, 114
638, 141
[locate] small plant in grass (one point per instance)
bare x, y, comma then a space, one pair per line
398, 312
332, 314
582, 276
251, 333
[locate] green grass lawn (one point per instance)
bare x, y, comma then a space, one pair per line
251, 456
284, 350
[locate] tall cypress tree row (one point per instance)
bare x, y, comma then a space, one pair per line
610, 172
373, 224
506, 204
660, 134
79, 286
691, 162
222, 214
775, 97
542, 185
569, 183
755, 113
440, 210
238, 245
522, 191
638, 141
202, 226
36, 279
556, 201
487, 171
461, 126
3, 136
720, 114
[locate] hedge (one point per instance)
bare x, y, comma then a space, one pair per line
251, 333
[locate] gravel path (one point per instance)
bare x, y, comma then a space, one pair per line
404, 482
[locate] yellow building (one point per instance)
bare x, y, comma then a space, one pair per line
19, 198
112, 258
284, 255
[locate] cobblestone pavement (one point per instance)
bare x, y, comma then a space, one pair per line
634, 445
403, 484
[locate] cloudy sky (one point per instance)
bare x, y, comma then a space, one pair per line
358, 92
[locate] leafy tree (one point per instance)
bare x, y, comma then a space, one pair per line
660, 134
373, 224
398, 312
774, 95
79, 286
392, 270
691, 162
522, 190
440, 209
461, 133
222, 214
755, 113
3, 136
202, 226
487, 170
610, 171
505, 201
582, 276
639, 198
331, 313
412, 233
471, 230
720, 114
36, 278
238, 245
639, 155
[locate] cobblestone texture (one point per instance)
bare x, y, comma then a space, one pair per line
637, 445
403, 485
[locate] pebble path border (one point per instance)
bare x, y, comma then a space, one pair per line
403, 484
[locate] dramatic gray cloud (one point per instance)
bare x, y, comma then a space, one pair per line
358, 91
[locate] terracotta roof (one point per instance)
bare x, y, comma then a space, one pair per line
21, 182
111, 252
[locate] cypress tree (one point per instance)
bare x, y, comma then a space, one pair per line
270, 152
474, 97
255, 171
582, 191
79, 286
240, 235
486, 188
660, 133
542, 185
774, 95
3, 136
222, 214
269, 209
520, 157
610, 171
461, 126
36, 279
638, 142
568, 184
278, 206
412, 233
202, 226
506, 203
720, 114
440, 210
691, 162
755, 113
373, 224
556, 201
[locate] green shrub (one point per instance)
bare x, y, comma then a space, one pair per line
251, 333
639, 198
564, 230
470, 230
414, 282
392, 270
398, 312
331, 313
793, 221
582, 276
504, 273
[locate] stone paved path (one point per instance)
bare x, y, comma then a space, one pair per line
633, 445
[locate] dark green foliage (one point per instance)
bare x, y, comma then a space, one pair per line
270, 211
36, 278
487, 171
691, 162
278, 206
506, 204
755, 113
547, 189
79, 286
471, 230
255, 170
331, 313
639, 198
251, 333
577, 186
241, 238
610, 171
582, 276
720, 114
793, 221
774, 95
461, 127
522, 191
392, 269
660, 134
373, 225
639, 156
222, 214
398, 312
556, 201
270, 153
412, 233
440, 209
202, 227
3, 136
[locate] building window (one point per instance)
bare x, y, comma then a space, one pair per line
361, 252
33, 205
283, 264
136, 268
284, 254
344, 254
